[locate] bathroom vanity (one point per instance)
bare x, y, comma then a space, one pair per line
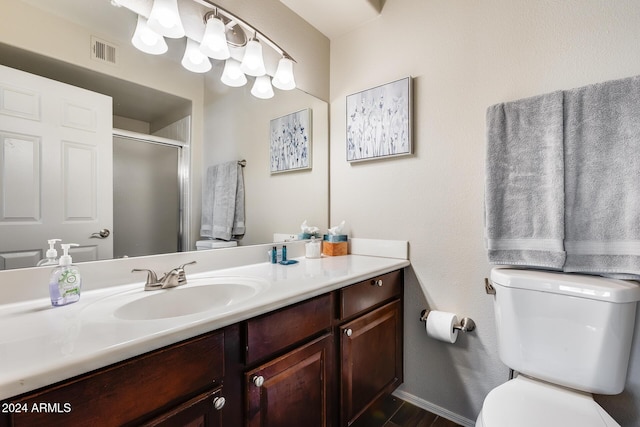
321, 346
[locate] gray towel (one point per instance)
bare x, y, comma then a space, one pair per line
602, 155
238, 229
524, 192
223, 202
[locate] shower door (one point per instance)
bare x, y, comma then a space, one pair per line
146, 197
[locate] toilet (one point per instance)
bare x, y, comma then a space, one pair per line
566, 336
202, 245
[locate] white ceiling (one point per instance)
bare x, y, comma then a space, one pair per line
334, 18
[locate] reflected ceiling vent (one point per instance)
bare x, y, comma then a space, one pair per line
104, 51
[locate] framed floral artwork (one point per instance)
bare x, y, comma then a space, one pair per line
379, 122
290, 142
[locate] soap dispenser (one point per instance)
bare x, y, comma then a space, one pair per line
65, 281
51, 255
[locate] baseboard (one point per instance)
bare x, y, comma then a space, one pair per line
435, 409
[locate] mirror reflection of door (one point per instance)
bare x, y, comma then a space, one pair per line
55, 163
146, 197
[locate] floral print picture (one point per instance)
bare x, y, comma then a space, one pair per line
291, 142
379, 121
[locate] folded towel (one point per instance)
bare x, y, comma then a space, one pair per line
524, 191
602, 157
238, 229
222, 203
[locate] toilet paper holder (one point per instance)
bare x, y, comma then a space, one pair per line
465, 325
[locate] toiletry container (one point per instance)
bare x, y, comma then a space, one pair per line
51, 257
65, 281
567, 336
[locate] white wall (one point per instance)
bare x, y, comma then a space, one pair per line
464, 55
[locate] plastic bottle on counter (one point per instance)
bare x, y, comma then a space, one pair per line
51, 254
65, 282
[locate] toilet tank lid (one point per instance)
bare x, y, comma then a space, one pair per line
577, 285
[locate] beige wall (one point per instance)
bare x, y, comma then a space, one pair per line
464, 55
237, 127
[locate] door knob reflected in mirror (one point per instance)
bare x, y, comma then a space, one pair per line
102, 234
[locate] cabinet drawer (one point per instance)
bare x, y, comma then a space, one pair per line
131, 390
273, 332
369, 293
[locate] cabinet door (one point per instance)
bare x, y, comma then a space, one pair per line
370, 359
204, 410
292, 390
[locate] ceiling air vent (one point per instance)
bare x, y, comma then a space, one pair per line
104, 51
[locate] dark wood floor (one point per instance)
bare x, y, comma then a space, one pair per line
393, 412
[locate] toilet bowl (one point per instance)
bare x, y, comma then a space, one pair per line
567, 336
202, 245
526, 402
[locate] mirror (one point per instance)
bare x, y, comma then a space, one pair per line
149, 93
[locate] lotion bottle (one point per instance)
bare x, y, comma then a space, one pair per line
65, 282
51, 255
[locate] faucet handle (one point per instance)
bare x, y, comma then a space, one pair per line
152, 279
182, 277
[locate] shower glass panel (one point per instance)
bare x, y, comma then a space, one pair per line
146, 198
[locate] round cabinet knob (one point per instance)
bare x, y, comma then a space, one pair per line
348, 332
218, 403
377, 282
258, 380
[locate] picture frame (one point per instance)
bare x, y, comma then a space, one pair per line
290, 142
379, 122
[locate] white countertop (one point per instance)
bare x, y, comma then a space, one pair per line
41, 345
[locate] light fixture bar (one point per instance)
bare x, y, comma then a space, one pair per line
222, 11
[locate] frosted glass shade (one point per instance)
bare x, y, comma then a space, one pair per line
252, 62
214, 41
147, 40
262, 87
232, 75
283, 78
164, 19
194, 60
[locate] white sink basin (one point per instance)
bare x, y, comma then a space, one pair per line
197, 296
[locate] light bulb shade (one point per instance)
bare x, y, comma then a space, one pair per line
147, 40
214, 41
164, 19
262, 88
232, 75
283, 78
194, 60
253, 63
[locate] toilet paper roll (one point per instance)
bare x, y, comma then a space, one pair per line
440, 326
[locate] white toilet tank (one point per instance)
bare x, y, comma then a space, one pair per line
567, 329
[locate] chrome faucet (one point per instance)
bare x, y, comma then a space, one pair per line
173, 278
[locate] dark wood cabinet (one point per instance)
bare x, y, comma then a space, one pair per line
129, 392
292, 390
317, 363
370, 348
370, 359
204, 410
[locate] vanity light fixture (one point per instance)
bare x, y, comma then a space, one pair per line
262, 87
214, 41
220, 35
193, 59
232, 75
147, 40
165, 20
253, 62
284, 79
